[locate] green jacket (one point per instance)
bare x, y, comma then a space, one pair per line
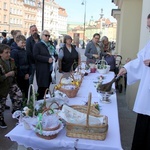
5, 83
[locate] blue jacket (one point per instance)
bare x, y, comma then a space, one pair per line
21, 60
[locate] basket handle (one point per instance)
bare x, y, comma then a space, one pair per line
56, 104
103, 61
72, 66
47, 109
33, 95
68, 75
47, 90
88, 109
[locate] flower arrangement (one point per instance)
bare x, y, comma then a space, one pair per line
101, 66
95, 105
29, 106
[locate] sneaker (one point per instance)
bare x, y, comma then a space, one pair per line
2, 123
7, 107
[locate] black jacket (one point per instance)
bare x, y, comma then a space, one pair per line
70, 60
29, 47
41, 56
21, 60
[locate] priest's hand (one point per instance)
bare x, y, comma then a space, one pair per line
122, 71
147, 62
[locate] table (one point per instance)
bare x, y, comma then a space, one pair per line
28, 138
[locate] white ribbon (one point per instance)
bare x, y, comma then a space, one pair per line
53, 75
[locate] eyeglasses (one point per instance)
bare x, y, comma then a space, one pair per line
96, 38
46, 35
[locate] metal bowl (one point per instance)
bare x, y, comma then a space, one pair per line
106, 95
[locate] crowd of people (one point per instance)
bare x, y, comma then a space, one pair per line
21, 57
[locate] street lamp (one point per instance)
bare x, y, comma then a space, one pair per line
43, 16
84, 3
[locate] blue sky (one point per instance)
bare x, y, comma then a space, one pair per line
75, 10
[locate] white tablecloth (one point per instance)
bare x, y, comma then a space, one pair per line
28, 138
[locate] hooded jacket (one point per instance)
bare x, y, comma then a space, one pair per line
21, 60
5, 83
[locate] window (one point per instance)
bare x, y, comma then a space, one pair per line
18, 12
10, 20
14, 20
5, 18
11, 10
5, 5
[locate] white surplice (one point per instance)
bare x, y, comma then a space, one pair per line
137, 70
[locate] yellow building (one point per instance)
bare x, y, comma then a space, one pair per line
103, 26
16, 15
4, 15
30, 14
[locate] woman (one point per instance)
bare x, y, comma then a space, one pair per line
43, 53
69, 57
105, 45
106, 49
93, 51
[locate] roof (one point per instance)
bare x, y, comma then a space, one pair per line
62, 12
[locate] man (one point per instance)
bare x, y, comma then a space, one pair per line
29, 47
4, 34
139, 69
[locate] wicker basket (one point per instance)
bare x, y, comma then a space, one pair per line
78, 74
33, 95
58, 127
50, 136
31, 87
69, 92
94, 132
83, 109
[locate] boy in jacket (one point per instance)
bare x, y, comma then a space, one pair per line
19, 54
7, 83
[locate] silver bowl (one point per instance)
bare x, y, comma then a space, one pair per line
106, 95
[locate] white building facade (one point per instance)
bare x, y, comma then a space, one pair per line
62, 21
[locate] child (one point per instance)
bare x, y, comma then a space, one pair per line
19, 54
7, 83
